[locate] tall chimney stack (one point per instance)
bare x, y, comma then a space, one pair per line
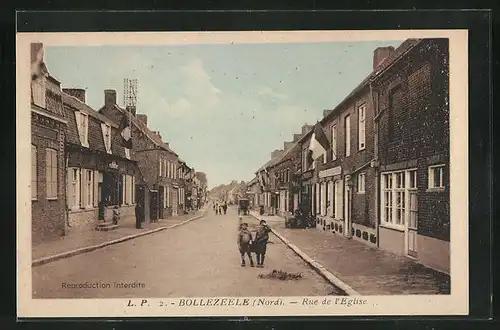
380, 54
79, 93
109, 97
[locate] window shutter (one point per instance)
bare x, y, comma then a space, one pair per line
96, 188
69, 190
55, 191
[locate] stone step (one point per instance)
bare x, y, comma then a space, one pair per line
106, 226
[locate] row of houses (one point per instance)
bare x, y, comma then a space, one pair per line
376, 167
82, 167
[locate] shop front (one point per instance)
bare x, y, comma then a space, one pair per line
98, 184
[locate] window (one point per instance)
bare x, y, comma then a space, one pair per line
90, 188
361, 126
83, 128
38, 91
334, 142
304, 160
51, 172
361, 183
399, 199
387, 198
34, 176
107, 137
436, 174
161, 167
74, 194
324, 158
347, 136
127, 153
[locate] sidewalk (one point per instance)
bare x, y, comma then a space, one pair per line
89, 237
369, 271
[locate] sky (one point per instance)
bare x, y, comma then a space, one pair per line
223, 108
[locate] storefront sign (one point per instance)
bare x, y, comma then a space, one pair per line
113, 165
330, 172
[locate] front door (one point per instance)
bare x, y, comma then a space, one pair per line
161, 202
154, 205
347, 209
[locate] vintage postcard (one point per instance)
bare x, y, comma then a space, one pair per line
297, 173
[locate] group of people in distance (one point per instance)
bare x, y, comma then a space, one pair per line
248, 244
220, 208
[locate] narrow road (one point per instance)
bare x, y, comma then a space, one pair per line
199, 259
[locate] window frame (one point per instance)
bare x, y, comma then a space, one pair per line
431, 177
398, 188
334, 142
361, 184
51, 184
83, 131
347, 128
362, 127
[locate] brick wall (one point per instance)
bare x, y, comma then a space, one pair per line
48, 216
363, 209
414, 125
83, 220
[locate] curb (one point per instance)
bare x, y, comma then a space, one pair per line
334, 280
72, 253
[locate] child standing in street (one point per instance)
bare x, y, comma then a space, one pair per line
260, 243
244, 242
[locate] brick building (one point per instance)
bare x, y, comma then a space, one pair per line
48, 136
412, 120
100, 172
156, 161
385, 178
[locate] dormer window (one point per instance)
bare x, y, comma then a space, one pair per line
106, 133
38, 88
82, 120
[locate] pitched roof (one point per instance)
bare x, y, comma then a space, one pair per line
80, 106
150, 134
95, 137
406, 46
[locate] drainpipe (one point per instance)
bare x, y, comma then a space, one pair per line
376, 168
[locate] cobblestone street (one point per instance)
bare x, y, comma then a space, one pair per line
198, 259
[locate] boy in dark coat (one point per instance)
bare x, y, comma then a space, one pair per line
260, 243
244, 242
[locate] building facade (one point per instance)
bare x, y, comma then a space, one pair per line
385, 178
101, 175
48, 157
413, 147
156, 161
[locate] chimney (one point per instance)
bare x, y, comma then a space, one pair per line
296, 137
287, 145
275, 153
326, 112
143, 118
306, 128
109, 97
76, 92
380, 54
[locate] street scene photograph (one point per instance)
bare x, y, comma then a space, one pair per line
278, 169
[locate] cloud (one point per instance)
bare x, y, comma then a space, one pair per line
269, 92
198, 92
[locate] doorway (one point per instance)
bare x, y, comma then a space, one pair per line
154, 205
347, 208
161, 202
